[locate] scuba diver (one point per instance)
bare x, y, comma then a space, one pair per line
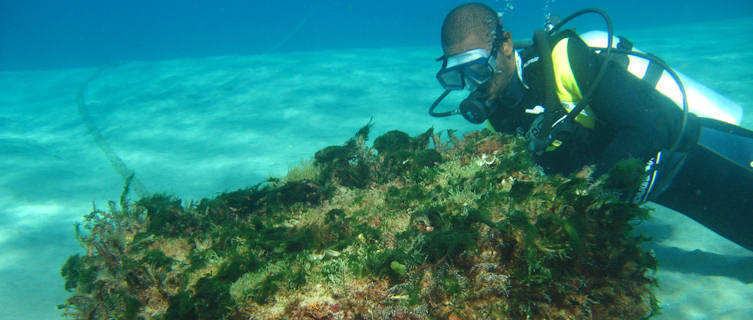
583, 111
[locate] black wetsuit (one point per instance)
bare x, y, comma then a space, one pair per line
635, 120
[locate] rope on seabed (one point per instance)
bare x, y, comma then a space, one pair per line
116, 162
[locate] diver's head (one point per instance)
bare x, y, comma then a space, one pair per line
474, 30
478, 56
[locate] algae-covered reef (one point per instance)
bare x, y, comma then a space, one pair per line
410, 228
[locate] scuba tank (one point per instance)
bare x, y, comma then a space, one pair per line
702, 101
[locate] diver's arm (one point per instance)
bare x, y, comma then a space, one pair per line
637, 120
641, 120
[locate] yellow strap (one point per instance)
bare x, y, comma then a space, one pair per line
555, 144
568, 91
490, 126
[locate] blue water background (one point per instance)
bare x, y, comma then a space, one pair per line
48, 34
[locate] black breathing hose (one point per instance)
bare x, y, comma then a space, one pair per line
436, 102
602, 70
680, 85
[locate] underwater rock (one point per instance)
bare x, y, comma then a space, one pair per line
413, 228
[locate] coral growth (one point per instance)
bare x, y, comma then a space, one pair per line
411, 228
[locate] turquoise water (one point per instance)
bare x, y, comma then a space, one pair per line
201, 118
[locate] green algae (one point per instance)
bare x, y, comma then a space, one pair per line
411, 228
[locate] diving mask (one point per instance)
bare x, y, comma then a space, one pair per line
477, 107
467, 69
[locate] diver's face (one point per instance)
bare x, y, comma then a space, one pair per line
506, 63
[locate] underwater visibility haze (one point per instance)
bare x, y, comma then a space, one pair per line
249, 159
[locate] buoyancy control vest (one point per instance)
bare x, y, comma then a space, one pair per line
562, 92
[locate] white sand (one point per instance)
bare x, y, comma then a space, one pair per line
196, 127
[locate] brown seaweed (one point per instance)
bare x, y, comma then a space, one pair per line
465, 229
